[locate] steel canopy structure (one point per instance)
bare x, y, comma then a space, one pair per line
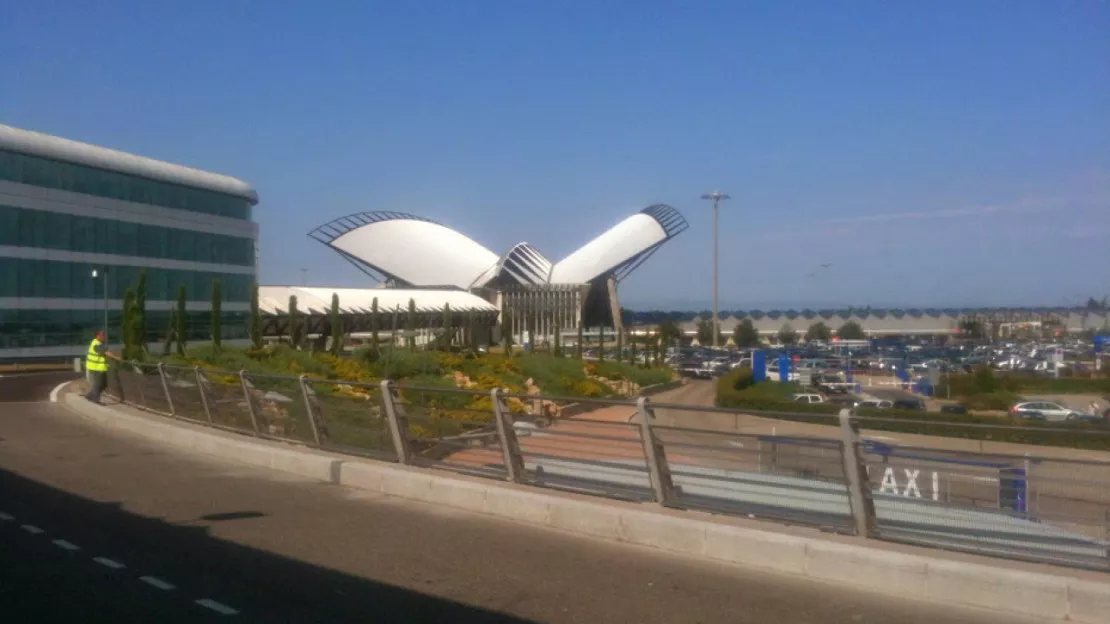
414, 251
534, 294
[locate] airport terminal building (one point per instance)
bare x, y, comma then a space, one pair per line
534, 296
68, 209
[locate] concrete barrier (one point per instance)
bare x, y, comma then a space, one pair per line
918, 574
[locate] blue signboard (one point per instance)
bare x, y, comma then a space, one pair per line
784, 368
759, 366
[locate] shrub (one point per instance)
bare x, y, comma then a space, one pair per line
998, 400
404, 364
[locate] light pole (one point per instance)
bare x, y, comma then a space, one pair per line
103, 273
716, 196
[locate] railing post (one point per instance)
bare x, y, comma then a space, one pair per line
510, 445
142, 384
203, 397
398, 423
855, 470
166, 388
310, 412
250, 402
662, 483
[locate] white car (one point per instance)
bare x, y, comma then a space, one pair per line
807, 398
1046, 409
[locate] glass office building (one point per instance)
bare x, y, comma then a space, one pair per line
70, 209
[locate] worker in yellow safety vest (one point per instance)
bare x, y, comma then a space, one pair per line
96, 363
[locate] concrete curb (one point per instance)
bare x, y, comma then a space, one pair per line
910, 575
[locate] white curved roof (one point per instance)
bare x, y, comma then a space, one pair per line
619, 244
65, 150
275, 300
416, 251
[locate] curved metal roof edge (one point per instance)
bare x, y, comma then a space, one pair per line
328, 232
67, 150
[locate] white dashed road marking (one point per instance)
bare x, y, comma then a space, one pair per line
104, 561
153, 581
156, 582
222, 609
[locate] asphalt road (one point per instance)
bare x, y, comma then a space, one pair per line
29, 387
98, 527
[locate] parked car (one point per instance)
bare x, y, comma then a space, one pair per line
915, 405
807, 398
883, 404
953, 409
1046, 409
1087, 418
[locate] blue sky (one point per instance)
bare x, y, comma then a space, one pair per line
939, 153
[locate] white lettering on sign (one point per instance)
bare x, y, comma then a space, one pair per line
889, 484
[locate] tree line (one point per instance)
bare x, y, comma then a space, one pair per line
745, 335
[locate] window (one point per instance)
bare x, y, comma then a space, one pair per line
48, 328
72, 280
64, 176
25, 227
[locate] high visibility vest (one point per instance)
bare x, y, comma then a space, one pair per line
94, 361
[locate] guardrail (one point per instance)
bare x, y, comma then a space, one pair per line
1048, 509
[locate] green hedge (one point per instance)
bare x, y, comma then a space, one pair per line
985, 380
737, 390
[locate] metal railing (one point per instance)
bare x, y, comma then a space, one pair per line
815, 469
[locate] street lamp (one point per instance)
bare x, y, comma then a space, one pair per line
104, 274
716, 196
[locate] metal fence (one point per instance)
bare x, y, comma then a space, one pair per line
826, 471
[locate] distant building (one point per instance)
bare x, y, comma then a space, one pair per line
881, 323
68, 209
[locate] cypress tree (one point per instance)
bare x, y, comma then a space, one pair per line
256, 320
375, 325
171, 327
601, 343
140, 307
126, 323
578, 345
556, 343
447, 321
295, 325
336, 327
632, 348
620, 345
507, 332
179, 321
217, 308
410, 325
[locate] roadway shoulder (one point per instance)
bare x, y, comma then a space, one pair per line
951, 578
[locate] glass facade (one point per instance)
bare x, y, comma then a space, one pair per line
28, 326
29, 329
73, 280
23, 227
63, 176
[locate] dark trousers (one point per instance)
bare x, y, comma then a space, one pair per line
98, 381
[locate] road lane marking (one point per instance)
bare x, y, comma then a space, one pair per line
104, 561
61, 543
32, 529
156, 582
56, 390
222, 609
6, 517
